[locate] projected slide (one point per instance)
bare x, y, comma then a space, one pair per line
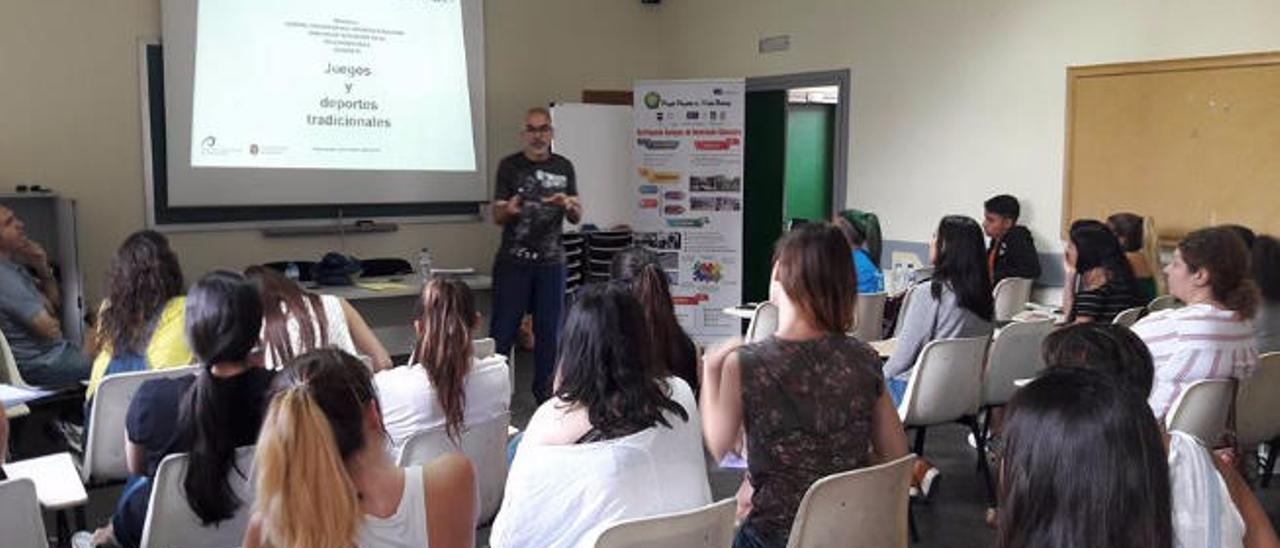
375, 85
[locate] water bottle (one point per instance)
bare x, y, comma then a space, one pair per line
292, 271
898, 277
424, 264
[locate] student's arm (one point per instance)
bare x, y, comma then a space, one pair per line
253, 534
721, 400
917, 330
364, 339
1258, 532
888, 439
45, 326
452, 504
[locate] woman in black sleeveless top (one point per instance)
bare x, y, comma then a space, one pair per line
817, 397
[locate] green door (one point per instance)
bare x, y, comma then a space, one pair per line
764, 167
810, 129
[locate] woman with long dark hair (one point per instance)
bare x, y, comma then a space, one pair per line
1100, 282
954, 303
446, 385
325, 479
1130, 233
816, 398
208, 415
329, 321
1083, 464
640, 271
1266, 273
614, 441
1212, 336
140, 323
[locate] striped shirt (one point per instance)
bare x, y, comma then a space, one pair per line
1195, 342
1103, 303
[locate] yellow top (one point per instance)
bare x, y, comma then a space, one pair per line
167, 348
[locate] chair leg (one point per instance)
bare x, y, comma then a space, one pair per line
1270, 465
983, 470
64, 532
82, 524
911, 524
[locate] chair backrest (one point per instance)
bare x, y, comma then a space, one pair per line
1129, 316
902, 311
764, 321
1202, 409
868, 504
483, 348
1162, 302
104, 436
868, 317
1257, 407
710, 526
20, 517
1014, 354
946, 382
484, 443
1011, 296
170, 521
9, 373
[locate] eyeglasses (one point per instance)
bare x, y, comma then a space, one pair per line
537, 129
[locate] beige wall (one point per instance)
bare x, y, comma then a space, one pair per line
953, 100
69, 115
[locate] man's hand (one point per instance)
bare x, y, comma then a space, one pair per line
505, 210
33, 255
572, 208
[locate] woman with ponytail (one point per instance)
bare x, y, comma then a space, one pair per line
447, 385
674, 352
324, 477
208, 415
1212, 336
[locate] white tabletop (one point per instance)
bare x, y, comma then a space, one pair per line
382, 287
744, 311
56, 478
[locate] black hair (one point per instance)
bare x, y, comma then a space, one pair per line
223, 317
641, 271
961, 263
600, 369
1083, 464
1128, 230
1003, 205
1097, 246
1245, 233
1109, 348
1266, 267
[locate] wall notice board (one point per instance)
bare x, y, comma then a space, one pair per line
1192, 142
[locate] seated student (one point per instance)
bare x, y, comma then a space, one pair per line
1266, 272
209, 414
870, 278
29, 301
816, 398
1128, 230
325, 479
141, 321
1071, 424
614, 442
1201, 517
1012, 253
331, 320
1100, 282
640, 271
446, 386
1212, 336
955, 303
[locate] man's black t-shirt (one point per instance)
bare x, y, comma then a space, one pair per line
534, 236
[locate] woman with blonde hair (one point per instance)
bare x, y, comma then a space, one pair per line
325, 480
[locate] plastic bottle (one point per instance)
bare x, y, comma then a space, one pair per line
424, 264
292, 272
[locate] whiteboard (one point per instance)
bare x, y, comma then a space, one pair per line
597, 139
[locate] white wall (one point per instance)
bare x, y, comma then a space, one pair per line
69, 116
954, 101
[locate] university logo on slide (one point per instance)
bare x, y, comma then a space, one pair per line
208, 142
652, 100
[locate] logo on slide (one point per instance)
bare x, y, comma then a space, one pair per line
652, 100
253, 149
208, 142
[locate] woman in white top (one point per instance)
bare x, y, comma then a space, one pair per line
331, 321
1212, 336
324, 479
447, 386
615, 442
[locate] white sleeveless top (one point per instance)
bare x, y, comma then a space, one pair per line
1203, 514
407, 528
337, 334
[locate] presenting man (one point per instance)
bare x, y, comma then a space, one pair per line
29, 311
535, 192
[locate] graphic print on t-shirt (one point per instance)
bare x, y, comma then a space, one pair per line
534, 236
